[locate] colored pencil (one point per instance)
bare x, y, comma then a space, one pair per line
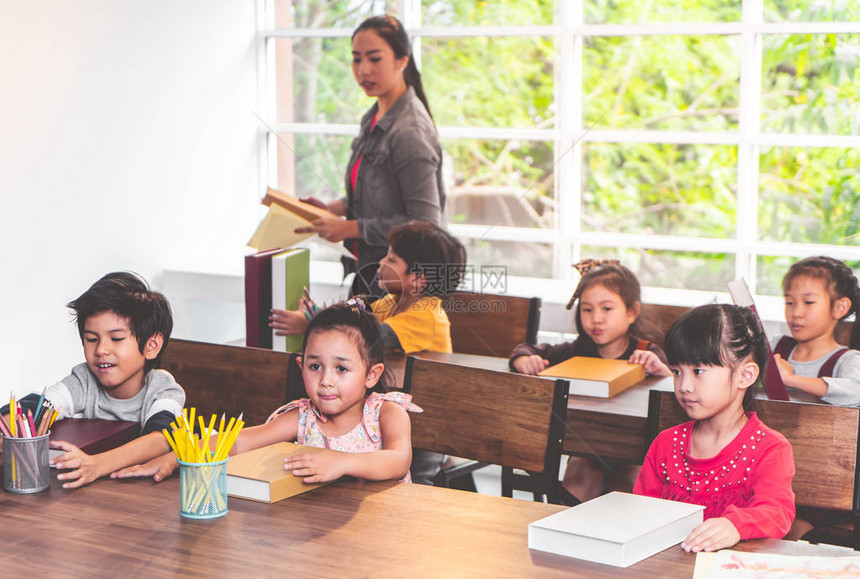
39, 405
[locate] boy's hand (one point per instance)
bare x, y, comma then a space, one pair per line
83, 468
712, 535
651, 361
323, 466
159, 468
286, 322
530, 364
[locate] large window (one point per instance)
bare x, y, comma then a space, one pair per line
697, 140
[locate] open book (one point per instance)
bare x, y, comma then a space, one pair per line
774, 387
286, 213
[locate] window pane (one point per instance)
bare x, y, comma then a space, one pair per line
770, 271
330, 13
505, 183
483, 13
315, 82
660, 189
811, 84
648, 11
662, 82
672, 269
810, 195
521, 258
490, 82
808, 11
313, 164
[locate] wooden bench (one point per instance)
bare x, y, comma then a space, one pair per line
503, 418
229, 379
491, 324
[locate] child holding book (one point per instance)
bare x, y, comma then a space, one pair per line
725, 458
607, 302
819, 292
423, 262
366, 432
124, 327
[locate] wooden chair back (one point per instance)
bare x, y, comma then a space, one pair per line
824, 440
502, 418
656, 319
491, 324
231, 379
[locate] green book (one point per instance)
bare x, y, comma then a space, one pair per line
290, 276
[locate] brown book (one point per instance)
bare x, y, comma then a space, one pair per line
293, 204
600, 377
93, 435
259, 474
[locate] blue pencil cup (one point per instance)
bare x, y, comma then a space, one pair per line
203, 489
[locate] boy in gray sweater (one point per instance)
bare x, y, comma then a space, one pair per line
124, 327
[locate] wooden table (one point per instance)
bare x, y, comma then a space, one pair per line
346, 529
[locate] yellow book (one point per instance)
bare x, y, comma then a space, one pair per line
259, 474
600, 377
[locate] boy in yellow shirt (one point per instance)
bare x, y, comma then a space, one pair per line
423, 262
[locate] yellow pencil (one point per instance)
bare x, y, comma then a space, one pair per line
206, 452
13, 413
231, 439
170, 441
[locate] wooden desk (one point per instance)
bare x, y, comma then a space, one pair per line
347, 529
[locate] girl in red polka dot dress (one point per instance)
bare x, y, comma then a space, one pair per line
725, 458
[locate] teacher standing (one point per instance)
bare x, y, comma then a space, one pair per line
395, 171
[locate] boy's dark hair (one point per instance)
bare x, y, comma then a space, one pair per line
128, 296
362, 328
617, 279
718, 335
430, 250
391, 30
840, 282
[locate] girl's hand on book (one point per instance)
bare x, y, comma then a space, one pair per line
651, 361
712, 535
530, 364
286, 322
323, 466
81, 467
159, 468
786, 372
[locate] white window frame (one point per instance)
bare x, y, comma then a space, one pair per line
567, 139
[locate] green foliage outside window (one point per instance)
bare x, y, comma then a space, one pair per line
810, 85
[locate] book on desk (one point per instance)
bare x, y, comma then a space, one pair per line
617, 528
93, 435
259, 474
601, 377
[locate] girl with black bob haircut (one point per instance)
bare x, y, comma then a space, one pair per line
725, 459
733, 334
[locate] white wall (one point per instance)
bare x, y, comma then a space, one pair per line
127, 141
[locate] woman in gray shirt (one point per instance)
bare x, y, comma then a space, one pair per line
395, 172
